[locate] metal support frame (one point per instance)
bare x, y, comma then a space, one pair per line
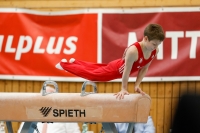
9, 126
130, 128
29, 127
110, 128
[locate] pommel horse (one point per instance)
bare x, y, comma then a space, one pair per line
90, 107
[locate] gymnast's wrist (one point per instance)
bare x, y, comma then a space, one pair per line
124, 89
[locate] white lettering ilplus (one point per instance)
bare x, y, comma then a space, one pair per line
70, 43
37, 45
21, 49
194, 37
50, 47
132, 38
9, 48
174, 35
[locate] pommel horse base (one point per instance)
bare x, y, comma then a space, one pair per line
73, 107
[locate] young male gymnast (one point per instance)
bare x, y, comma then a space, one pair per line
136, 57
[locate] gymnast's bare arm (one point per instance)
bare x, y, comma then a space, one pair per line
142, 72
130, 57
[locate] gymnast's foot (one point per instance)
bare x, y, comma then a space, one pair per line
71, 60
58, 66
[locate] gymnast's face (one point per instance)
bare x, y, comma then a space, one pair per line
151, 45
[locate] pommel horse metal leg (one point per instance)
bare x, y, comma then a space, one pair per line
9, 127
109, 128
29, 127
130, 127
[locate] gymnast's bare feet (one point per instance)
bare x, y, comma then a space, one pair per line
58, 66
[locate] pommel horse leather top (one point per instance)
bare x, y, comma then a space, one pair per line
71, 107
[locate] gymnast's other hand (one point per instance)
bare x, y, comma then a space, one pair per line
139, 90
120, 95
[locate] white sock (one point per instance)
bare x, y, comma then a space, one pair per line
71, 60
58, 66
63, 60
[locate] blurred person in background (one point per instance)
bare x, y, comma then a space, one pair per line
138, 127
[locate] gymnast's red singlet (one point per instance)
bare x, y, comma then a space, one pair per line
105, 72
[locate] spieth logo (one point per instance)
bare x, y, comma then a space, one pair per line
63, 112
45, 111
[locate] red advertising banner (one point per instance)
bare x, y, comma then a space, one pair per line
32, 44
179, 54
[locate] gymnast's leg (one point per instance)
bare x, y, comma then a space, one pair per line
88, 70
